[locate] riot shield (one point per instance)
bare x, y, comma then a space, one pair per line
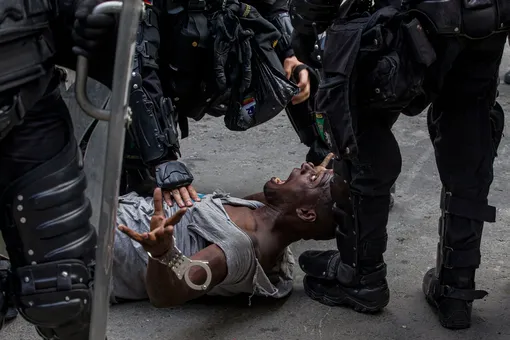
117, 116
91, 135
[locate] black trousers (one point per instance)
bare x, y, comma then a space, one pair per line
462, 85
44, 132
41, 177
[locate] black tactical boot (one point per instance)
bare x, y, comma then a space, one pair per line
450, 287
330, 282
453, 304
355, 275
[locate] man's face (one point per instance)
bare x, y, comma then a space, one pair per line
302, 188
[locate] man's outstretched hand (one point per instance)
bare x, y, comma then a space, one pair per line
160, 238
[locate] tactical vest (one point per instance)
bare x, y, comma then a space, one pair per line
25, 49
471, 18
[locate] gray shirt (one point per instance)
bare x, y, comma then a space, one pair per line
203, 224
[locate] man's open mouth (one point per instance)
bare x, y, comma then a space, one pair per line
276, 180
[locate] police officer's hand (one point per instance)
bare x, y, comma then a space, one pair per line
174, 178
184, 196
91, 30
304, 81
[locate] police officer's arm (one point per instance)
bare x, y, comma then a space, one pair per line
154, 127
276, 12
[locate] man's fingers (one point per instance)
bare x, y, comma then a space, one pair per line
192, 192
168, 198
158, 202
185, 196
326, 160
175, 218
159, 233
177, 197
132, 234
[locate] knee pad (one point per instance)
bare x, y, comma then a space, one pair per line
52, 244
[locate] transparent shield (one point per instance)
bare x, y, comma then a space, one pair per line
91, 135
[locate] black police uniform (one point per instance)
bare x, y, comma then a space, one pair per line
461, 84
44, 212
171, 83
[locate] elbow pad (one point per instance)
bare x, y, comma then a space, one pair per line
153, 129
283, 24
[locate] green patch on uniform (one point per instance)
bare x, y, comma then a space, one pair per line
319, 123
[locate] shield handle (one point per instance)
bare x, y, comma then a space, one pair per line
82, 69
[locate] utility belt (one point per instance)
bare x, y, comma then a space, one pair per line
26, 49
471, 18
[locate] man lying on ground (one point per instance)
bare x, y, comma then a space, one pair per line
246, 241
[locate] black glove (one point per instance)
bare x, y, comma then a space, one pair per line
232, 50
172, 175
91, 31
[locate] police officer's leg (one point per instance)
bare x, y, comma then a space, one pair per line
44, 222
464, 141
355, 276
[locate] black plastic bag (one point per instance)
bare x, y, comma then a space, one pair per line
270, 92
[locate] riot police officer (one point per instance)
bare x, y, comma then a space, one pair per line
172, 83
468, 38
44, 213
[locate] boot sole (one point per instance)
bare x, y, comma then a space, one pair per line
344, 300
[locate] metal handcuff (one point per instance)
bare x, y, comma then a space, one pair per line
181, 265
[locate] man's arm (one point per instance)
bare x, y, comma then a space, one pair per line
163, 286
166, 290
277, 13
